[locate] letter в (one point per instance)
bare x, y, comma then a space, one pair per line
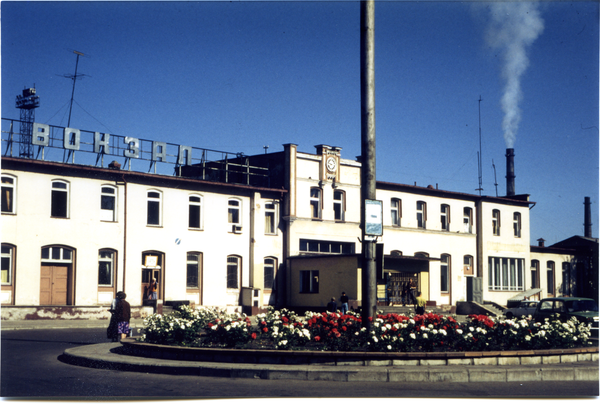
41, 134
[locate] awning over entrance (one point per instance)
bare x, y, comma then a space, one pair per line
406, 263
525, 294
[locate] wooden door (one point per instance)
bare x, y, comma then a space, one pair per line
54, 281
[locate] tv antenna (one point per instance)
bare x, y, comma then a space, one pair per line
479, 170
74, 77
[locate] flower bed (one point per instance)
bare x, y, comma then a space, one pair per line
326, 331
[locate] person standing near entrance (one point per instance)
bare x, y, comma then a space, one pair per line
344, 302
332, 306
420, 304
153, 289
123, 315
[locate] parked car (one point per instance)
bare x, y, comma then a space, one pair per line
524, 308
583, 309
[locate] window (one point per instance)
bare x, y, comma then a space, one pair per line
505, 274
233, 213
309, 281
421, 214
566, 279
57, 254
445, 217
396, 211
194, 260
108, 204
468, 265
154, 208
517, 224
315, 203
550, 277
233, 272
468, 220
535, 274
106, 265
60, 199
195, 212
326, 247
8, 256
270, 218
339, 205
496, 222
445, 274
269, 270
8, 194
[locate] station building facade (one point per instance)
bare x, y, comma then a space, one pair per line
74, 235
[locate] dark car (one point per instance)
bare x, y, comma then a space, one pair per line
524, 308
583, 309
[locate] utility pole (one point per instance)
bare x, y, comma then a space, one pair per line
368, 179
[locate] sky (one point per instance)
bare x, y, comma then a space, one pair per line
238, 76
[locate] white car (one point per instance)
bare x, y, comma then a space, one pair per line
524, 308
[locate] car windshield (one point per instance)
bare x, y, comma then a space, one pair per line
582, 305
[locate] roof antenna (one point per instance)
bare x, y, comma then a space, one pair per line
479, 169
74, 77
495, 181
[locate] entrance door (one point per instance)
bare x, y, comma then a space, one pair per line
147, 275
54, 282
397, 283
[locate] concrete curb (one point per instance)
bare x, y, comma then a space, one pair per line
106, 356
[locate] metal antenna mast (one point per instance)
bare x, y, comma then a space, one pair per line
495, 181
74, 77
479, 169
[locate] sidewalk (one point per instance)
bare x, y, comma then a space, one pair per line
7, 325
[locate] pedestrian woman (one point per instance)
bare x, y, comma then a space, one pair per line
123, 314
112, 331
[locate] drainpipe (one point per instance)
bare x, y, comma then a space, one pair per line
124, 230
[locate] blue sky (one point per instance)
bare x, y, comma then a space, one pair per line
237, 76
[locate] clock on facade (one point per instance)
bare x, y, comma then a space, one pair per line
331, 164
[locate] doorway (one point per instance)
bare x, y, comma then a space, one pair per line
152, 268
54, 285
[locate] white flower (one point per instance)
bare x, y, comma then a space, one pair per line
389, 347
459, 331
375, 338
471, 329
413, 336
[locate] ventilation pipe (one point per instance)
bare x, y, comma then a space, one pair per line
587, 221
510, 172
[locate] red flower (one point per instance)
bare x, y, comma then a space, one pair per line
317, 338
344, 328
253, 335
265, 329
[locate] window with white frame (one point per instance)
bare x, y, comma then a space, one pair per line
517, 224
315, 203
108, 203
154, 208
326, 246
270, 265
339, 205
445, 217
445, 273
496, 222
60, 199
233, 272
9, 184
233, 212
57, 254
193, 263
7, 259
467, 220
535, 274
505, 274
566, 279
421, 214
106, 265
195, 212
550, 277
396, 211
309, 281
270, 218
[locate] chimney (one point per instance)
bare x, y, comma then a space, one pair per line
510, 172
587, 221
541, 242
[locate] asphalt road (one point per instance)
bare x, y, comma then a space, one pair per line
31, 368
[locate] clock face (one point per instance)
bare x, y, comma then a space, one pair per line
331, 164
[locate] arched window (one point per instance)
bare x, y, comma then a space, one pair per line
194, 270
154, 208
445, 217
396, 211
315, 203
234, 265
60, 199
195, 212
270, 268
271, 217
468, 265
108, 203
234, 212
496, 222
421, 214
517, 224
445, 274
339, 205
9, 185
106, 267
550, 277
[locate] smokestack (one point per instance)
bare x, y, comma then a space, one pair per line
510, 172
587, 221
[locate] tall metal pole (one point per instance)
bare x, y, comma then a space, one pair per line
368, 179
74, 81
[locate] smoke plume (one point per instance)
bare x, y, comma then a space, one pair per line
514, 27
